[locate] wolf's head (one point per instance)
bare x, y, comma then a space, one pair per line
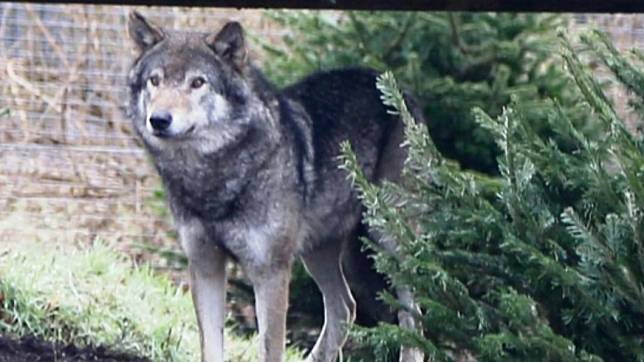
189, 89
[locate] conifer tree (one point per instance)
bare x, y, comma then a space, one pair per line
545, 263
451, 62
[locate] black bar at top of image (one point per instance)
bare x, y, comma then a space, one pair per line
598, 6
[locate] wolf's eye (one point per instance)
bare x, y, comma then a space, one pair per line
197, 82
154, 80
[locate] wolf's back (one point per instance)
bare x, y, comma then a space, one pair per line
344, 104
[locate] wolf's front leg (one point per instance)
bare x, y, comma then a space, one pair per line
207, 266
271, 304
208, 285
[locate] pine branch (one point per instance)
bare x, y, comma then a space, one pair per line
625, 72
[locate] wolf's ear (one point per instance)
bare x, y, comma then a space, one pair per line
229, 44
144, 34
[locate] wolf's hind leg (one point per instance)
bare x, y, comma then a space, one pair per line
406, 298
325, 266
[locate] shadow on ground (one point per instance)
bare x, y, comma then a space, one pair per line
30, 349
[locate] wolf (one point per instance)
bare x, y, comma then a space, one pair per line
251, 173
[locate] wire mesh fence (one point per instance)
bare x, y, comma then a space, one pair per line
71, 169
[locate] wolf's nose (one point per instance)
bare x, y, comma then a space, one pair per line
160, 121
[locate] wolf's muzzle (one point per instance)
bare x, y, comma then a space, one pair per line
160, 121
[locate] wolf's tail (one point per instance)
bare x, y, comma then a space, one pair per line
364, 280
366, 283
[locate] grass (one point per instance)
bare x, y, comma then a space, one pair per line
97, 297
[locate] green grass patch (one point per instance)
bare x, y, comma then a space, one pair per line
96, 297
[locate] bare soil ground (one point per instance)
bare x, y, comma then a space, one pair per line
31, 349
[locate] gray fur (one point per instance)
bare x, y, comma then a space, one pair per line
251, 173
